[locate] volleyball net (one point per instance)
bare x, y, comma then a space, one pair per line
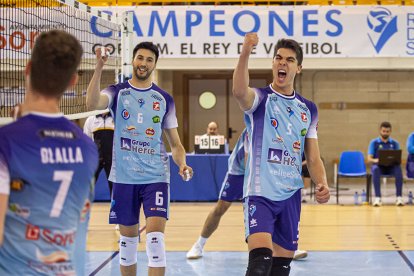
21, 21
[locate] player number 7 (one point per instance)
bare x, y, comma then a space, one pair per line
65, 178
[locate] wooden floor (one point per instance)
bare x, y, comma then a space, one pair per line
322, 228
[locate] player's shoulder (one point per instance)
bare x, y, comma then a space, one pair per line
310, 104
163, 93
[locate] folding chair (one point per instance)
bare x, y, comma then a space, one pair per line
352, 165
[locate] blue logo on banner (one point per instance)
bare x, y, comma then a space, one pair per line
383, 26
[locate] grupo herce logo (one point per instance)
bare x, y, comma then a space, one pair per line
383, 26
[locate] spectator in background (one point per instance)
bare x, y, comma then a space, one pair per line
384, 142
410, 159
101, 130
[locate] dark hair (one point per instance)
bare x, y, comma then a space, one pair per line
385, 125
55, 58
290, 44
148, 46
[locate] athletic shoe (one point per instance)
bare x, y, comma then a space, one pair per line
399, 201
377, 202
195, 252
300, 254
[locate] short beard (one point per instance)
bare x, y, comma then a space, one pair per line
142, 78
385, 137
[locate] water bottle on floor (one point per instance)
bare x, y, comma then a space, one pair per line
410, 198
364, 197
356, 198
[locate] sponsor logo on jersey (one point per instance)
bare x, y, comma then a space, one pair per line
156, 119
303, 132
125, 93
141, 102
136, 146
290, 111
281, 157
156, 106
57, 134
23, 212
296, 146
150, 131
85, 210
17, 184
303, 107
34, 232
279, 139
273, 98
125, 114
274, 156
158, 209
303, 117
158, 98
274, 122
56, 263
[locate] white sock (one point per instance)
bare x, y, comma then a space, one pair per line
304, 192
202, 241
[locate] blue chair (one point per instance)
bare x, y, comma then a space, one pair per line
352, 164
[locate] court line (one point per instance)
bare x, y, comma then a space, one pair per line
407, 261
400, 252
114, 254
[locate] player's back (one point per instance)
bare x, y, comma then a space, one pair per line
51, 164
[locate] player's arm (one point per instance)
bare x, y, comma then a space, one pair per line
94, 98
87, 127
317, 170
241, 90
371, 152
178, 152
4, 199
4, 195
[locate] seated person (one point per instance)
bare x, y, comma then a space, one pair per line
410, 159
384, 142
212, 129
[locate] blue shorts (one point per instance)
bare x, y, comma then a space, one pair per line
127, 199
279, 218
232, 188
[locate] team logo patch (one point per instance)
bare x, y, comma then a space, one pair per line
156, 106
303, 117
141, 102
125, 114
290, 111
252, 209
274, 122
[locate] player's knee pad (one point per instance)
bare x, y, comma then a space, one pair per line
156, 249
260, 262
281, 266
128, 250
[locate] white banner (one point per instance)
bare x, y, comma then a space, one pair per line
323, 31
218, 31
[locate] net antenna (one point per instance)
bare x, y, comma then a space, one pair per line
127, 46
21, 21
